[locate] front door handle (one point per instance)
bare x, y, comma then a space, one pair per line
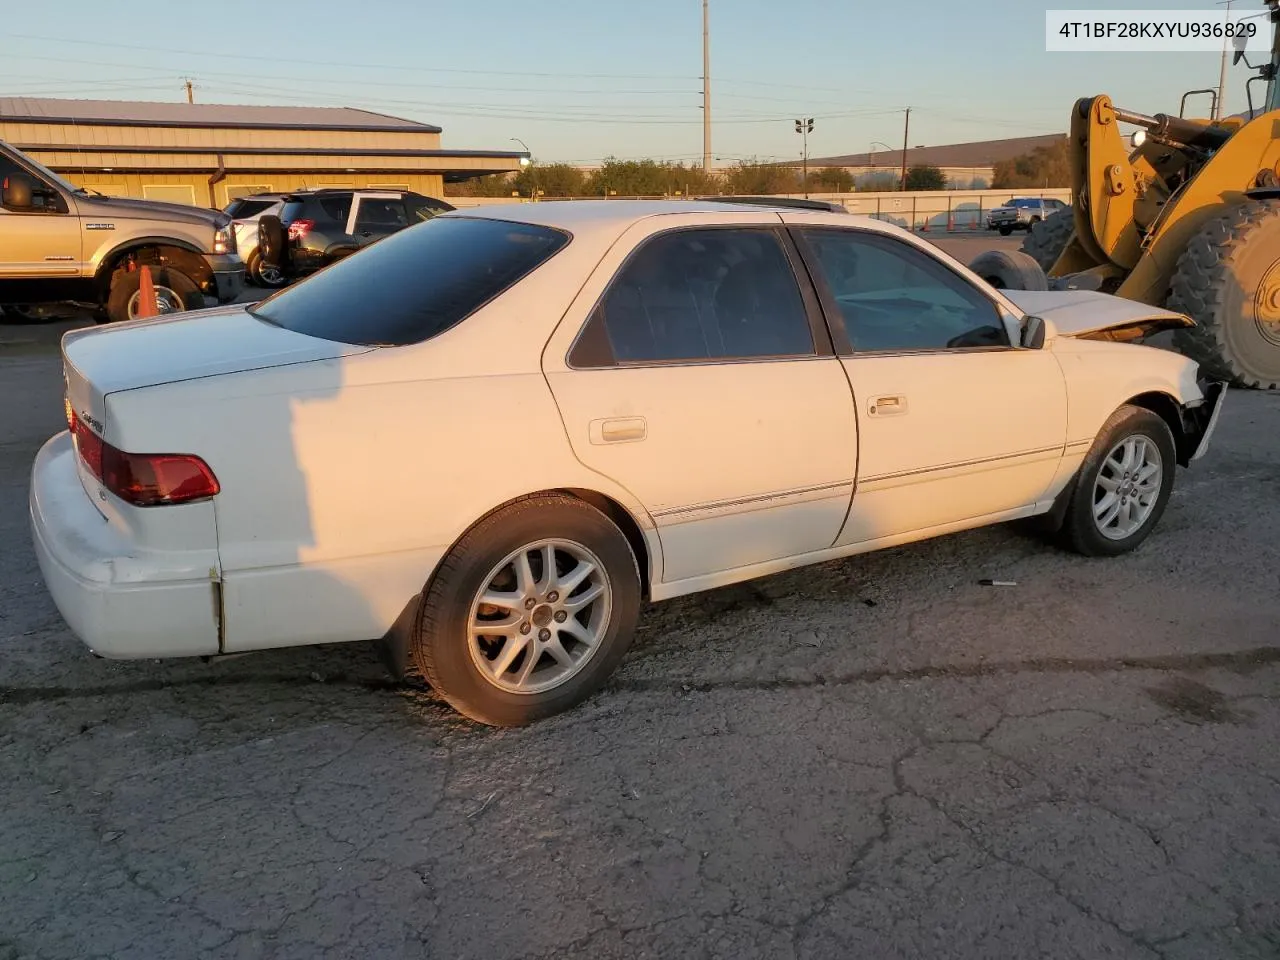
618, 430
888, 406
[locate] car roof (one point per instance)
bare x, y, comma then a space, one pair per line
577, 215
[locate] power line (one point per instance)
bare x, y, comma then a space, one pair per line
388, 66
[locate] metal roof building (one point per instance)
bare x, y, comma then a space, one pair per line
966, 165
207, 153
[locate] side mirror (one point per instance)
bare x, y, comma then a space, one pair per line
17, 192
1239, 42
1036, 331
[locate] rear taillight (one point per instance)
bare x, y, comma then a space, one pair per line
300, 228
144, 479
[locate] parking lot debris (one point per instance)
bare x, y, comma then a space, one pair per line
483, 807
809, 638
998, 583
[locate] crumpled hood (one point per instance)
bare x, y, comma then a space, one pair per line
1089, 314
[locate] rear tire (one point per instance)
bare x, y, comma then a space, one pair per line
1228, 280
1005, 231
1047, 239
1136, 489
1009, 270
475, 654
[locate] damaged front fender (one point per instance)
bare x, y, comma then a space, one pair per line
1200, 420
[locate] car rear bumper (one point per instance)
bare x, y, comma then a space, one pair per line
97, 575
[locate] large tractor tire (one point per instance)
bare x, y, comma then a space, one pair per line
1047, 239
1009, 270
1228, 281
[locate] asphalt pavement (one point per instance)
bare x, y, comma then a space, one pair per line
878, 757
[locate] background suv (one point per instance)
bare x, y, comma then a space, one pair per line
1021, 213
247, 211
316, 227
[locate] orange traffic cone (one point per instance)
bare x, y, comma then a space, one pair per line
147, 306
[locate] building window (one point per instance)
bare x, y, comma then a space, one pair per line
170, 192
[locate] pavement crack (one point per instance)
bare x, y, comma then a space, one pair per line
21, 696
1239, 660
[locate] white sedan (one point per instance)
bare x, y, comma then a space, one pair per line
501, 431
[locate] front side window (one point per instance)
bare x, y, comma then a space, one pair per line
895, 297
710, 294
413, 285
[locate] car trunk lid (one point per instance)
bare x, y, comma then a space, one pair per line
99, 361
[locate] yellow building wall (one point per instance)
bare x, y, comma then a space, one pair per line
90, 136
161, 186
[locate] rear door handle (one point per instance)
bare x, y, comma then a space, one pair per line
618, 430
888, 406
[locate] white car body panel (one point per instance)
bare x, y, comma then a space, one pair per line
941, 442
736, 462
348, 472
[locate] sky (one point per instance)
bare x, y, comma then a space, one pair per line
583, 80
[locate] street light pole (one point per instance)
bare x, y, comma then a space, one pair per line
1222, 71
804, 128
533, 173
706, 89
906, 125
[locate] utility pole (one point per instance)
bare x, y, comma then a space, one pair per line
706, 89
1222, 72
192, 99
804, 128
906, 126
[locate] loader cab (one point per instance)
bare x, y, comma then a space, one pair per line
1265, 72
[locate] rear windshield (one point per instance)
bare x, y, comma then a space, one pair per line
413, 285
1025, 203
249, 208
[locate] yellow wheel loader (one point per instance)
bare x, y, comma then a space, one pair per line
1185, 214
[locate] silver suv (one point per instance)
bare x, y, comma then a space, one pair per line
1021, 213
62, 244
246, 212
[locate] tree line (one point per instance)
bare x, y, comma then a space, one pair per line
651, 178
1043, 167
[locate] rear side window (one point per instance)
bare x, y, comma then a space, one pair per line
415, 284
336, 208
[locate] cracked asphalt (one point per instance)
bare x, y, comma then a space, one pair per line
873, 758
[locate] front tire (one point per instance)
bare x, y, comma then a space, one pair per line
175, 293
530, 612
1047, 239
1123, 486
1228, 280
